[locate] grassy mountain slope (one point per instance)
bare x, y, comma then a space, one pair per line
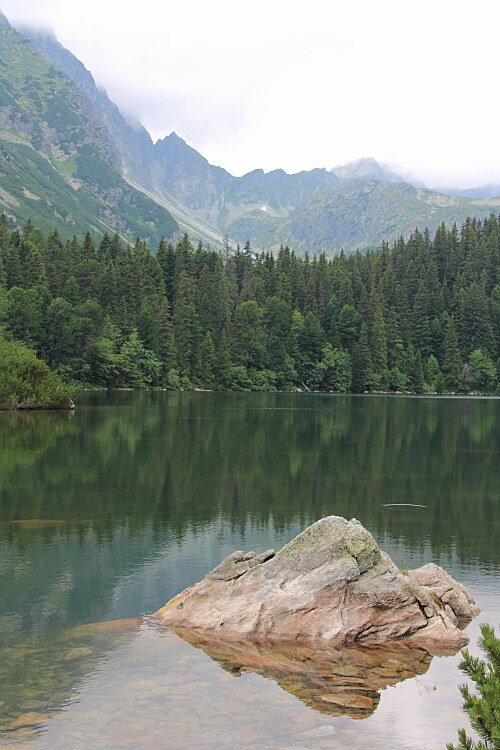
132, 143
360, 214
139, 161
56, 162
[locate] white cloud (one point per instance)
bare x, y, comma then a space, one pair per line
294, 85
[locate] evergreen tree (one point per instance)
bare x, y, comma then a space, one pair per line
422, 336
12, 266
483, 707
437, 337
186, 326
55, 266
311, 340
248, 335
395, 341
4, 232
379, 349
71, 291
87, 267
57, 344
207, 362
330, 321
452, 363
165, 348
362, 363
415, 371
409, 316
222, 366
348, 326
277, 325
146, 329
478, 321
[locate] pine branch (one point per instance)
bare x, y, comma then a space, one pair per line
482, 708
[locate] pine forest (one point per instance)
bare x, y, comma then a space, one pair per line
421, 316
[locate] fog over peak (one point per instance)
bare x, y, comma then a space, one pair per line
279, 86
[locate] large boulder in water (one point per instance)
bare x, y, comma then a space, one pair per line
330, 582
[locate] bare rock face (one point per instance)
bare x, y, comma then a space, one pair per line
330, 582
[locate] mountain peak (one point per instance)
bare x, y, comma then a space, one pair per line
173, 141
367, 166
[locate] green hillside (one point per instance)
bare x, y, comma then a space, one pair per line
57, 164
359, 214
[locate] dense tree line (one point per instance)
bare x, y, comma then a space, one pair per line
422, 315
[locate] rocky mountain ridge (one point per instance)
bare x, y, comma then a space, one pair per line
353, 206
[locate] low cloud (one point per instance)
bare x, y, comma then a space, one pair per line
284, 85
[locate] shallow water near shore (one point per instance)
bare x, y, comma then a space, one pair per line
107, 513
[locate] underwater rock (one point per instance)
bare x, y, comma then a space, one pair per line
30, 719
330, 582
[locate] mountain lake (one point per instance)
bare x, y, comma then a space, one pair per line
108, 512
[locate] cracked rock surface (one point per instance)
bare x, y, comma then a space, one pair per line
330, 582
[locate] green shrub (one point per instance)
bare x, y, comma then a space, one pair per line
27, 381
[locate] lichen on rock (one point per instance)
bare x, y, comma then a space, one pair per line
330, 582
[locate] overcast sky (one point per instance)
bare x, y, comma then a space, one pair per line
297, 85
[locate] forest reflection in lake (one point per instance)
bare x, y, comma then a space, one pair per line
107, 514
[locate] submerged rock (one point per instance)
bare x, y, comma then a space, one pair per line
331, 582
77, 653
31, 719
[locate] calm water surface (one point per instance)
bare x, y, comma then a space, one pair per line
107, 513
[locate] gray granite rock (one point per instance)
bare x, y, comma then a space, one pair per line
331, 582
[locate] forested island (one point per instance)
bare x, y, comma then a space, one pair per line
422, 315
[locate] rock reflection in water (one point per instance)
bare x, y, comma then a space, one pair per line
345, 681
143, 686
